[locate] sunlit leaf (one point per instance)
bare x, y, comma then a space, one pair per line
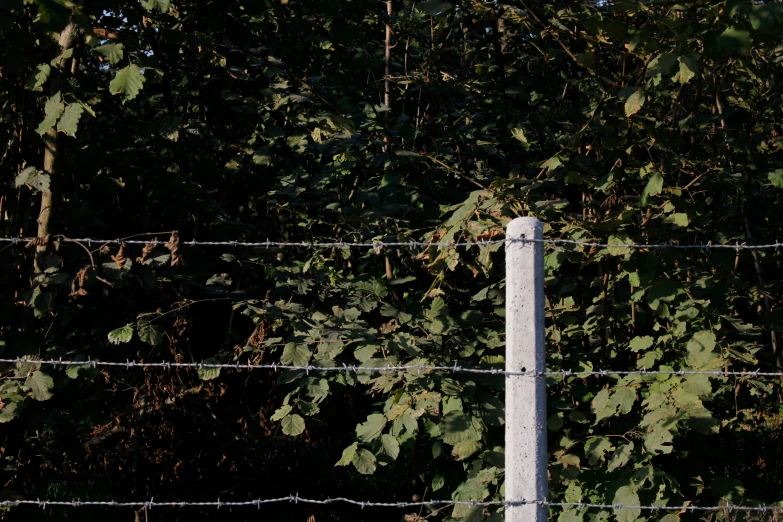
121, 335
128, 81
40, 385
292, 425
635, 102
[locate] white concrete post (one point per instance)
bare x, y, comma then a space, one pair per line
526, 454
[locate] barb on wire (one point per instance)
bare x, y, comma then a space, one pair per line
297, 499
455, 368
425, 244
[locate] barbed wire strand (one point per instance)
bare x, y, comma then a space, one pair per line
380, 369
382, 244
361, 503
455, 368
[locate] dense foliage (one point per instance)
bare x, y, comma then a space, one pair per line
620, 121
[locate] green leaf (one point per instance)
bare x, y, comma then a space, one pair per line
295, 354
472, 489
727, 488
390, 445
661, 65
571, 515
618, 250
128, 82
62, 56
281, 412
620, 457
438, 482
34, 178
638, 344
698, 385
663, 290
70, 119
658, 441
293, 425
653, 188
596, 449
733, 41
40, 385
372, 428
700, 418
457, 427
121, 335
9, 411
348, 454
352, 314
263, 156
54, 108
635, 102
160, 5
364, 462
87, 370
688, 69
601, 407
401, 280
519, 134
767, 18
317, 388
678, 219
573, 493
624, 398
113, 52
701, 349
207, 374
149, 333
308, 408
38, 77
776, 178
626, 496
465, 449
551, 164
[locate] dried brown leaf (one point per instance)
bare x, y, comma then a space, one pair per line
173, 246
389, 327
121, 257
79, 282
38, 241
146, 252
257, 337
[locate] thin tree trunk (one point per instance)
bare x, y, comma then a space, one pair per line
502, 31
496, 30
762, 288
387, 70
48, 198
137, 456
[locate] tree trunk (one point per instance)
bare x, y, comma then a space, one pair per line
387, 70
50, 149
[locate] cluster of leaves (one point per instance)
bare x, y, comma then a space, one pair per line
619, 121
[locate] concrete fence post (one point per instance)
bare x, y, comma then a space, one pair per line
525, 453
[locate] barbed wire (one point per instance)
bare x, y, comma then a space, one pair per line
296, 499
412, 244
381, 369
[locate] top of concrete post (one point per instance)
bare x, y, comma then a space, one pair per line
525, 228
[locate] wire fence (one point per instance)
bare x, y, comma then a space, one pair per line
296, 499
381, 369
417, 244
456, 368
